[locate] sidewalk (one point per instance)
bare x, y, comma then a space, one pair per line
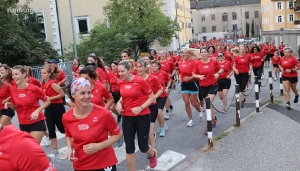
265, 141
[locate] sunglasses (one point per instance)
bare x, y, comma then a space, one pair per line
220, 55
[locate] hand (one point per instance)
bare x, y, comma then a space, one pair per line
288, 70
185, 79
6, 100
70, 155
119, 108
236, 72
7, 104
201, 77
249, 72
92, 148
216, 75
34, 115
228, 77
167, 90
136, 110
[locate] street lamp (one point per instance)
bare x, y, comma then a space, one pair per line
73, 33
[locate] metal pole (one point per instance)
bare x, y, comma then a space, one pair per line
271, 86
209, 123
72, 23
281, 85
237, 106
256, 94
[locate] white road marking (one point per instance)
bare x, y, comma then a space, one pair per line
58, 136
121, 151
167, 160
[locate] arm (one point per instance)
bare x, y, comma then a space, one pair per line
58, 90
159, 92
148, 102
109, 103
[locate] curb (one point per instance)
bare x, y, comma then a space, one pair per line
194, 157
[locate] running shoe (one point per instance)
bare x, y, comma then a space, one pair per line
153, 159
288, 106
202, 109
47, 142
201, 114
262, 77
296, 98
249, 81
54, 152
247, 87
162, 132
191, 123
214, 122
171, 111
242, 104
174, 87
120, 142
167, 116
52, 158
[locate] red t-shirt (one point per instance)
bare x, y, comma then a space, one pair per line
272, 49
4, 94
20, 151
228, 56
208, 70
113, 80
256, 59
134, 93
48, 90
32, 80
172, 59
281, 48
265, 49
61, 76
242, 63
102, 75
276, 59
153, 84
93, 128
99, 92
75, 69
227, 67
162, 77
185, 68
27, 101
167, 66
290, 63
213, 56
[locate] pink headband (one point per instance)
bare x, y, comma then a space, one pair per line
78, 84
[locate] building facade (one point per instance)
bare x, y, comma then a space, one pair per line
224, 18
178, 10
281, 22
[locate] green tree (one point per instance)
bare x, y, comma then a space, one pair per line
247, 29
252, 28
105, 42
21, 41
143, 19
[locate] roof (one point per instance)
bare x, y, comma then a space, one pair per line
221, 3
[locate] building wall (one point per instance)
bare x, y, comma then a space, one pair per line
223, 27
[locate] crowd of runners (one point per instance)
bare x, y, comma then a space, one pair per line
137, 92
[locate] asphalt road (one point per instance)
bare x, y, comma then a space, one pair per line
180, 142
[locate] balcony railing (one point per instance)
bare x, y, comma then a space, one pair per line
297, 22
297, 9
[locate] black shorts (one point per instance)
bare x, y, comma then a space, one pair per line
37, 126
257, 71
161, 101
290, 79
154, 112
116, 96
212, 89
275, 66
268, 57
224, 83
110, 168
281, 54
7, 112
189, 87
166, 84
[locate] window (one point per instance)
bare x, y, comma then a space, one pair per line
203, 29
191, 20
177, 5
279, 19
213, 28
291, 18
224, 17
213, 17
82, 25
279, 5
256, 14
182, 25
291, 5
41, 20
233, 16
192, 30
203, 17
225, 28
234, 27
190, 25
247, 15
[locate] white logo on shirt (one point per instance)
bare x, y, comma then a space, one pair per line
127, 86
82, 127
22, 95
183, 65
95, 119
242, 59
108, 169
97, 90
205, 66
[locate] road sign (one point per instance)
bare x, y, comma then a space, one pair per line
281, 30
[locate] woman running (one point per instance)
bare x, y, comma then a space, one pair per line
242, 69
126, 54
6, 115
94, 60
136, 97
189, 85
56, 109
224, 80
162, 78
113, 78
98, 91
75, 67
6, 74
157, 89
212, 52
25, 100
20, 152
275, 61
208, 71
257, 62
228, 54
87, 127
30, 78
289, 65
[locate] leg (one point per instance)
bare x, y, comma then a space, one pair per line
5, 120
194, 101
151, 136
37, 135
50, 121
186, 99
129, 131
58, 113
287, 87
225, 99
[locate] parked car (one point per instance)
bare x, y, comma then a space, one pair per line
229, 41
240, 41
